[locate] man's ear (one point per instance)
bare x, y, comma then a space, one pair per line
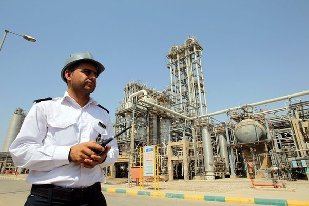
67, 74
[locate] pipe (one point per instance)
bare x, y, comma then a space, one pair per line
270, 111
194, 150
303, 93
208, 154
224, 152
166, 110
280, 98
230, 154
144, 92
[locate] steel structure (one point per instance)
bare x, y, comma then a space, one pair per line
187, 83
193, 145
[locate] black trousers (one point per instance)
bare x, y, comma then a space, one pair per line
51, 195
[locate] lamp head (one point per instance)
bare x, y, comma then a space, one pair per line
29, 38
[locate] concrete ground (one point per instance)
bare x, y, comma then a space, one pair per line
230, 187
237, 190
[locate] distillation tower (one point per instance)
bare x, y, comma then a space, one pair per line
6, 162
14, 127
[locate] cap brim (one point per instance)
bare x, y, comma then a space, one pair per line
99, 66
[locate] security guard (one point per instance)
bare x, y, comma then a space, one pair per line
57, 141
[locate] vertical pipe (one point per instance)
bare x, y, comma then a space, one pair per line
164, 130
131, 148
267, 129
194, 150
193, 92
179, 82
159, 131
187, 61
231, 154
223, 152
169, 162
208, 154
185, 156
3, 166
154, 129
171, 76
197, 67
148, 129
204, 93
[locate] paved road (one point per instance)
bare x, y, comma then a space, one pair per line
14, 193
114, 199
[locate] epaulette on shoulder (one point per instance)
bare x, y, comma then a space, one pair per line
40, 100
103, 108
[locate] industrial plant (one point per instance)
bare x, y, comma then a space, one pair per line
194, 144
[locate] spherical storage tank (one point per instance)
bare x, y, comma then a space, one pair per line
249, 130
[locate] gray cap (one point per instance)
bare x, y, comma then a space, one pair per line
81, 57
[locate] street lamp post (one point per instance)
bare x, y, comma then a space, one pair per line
26, 37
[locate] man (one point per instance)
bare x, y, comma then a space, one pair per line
57, 141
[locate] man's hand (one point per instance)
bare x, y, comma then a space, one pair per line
95, 159
84, 154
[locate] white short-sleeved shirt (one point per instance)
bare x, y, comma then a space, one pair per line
49, 130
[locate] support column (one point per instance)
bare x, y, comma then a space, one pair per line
224, 153
3, 168
208, 154
194, 150
131, 155
154, 129
231, 154
169, 162
185, 157
112, 169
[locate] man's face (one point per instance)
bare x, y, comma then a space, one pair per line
83, 77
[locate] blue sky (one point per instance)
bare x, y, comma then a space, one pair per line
253, 50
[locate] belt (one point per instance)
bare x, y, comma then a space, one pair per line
59, 192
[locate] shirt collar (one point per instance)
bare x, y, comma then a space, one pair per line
68, 98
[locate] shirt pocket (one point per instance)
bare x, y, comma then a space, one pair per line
63, 133
98, 131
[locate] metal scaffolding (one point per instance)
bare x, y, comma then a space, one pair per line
187, 83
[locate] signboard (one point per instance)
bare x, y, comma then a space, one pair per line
149, 161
